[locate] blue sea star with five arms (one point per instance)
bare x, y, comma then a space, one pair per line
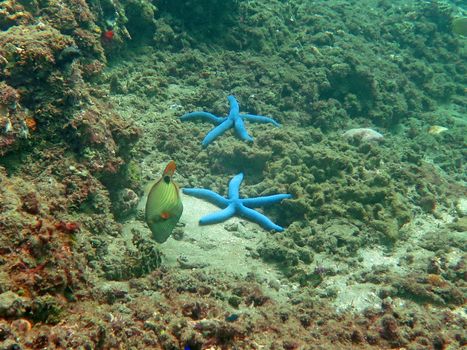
234, 119
236, 205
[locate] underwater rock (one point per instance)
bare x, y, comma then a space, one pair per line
126, 202
68, 54
363, 134
30, 203
461, 206
459, 225
11, 305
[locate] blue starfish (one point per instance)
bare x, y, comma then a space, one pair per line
236, 205
234, 119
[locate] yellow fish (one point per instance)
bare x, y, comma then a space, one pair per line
164, 205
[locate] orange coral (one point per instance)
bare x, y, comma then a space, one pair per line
435, 280
31, 123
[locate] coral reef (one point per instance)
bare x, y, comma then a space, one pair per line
205, 18
40, 269
90, 96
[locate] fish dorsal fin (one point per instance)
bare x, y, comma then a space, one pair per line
170, 169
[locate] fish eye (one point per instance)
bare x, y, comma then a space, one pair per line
167, 179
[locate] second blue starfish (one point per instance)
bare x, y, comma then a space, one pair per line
236, 205
234, 119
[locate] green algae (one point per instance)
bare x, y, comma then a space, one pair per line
46, 309
133, 173
140, 19
204, 18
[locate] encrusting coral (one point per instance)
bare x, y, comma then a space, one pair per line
72, 276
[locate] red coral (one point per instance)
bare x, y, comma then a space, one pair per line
67, 226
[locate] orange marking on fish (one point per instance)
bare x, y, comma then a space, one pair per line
170, 169
165, 215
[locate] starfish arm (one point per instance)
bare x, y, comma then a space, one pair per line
241, 130
217, 131
259, 119
208, 195
234, 107
259, 218
234, 186
265, 200
218, 216
203, 115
